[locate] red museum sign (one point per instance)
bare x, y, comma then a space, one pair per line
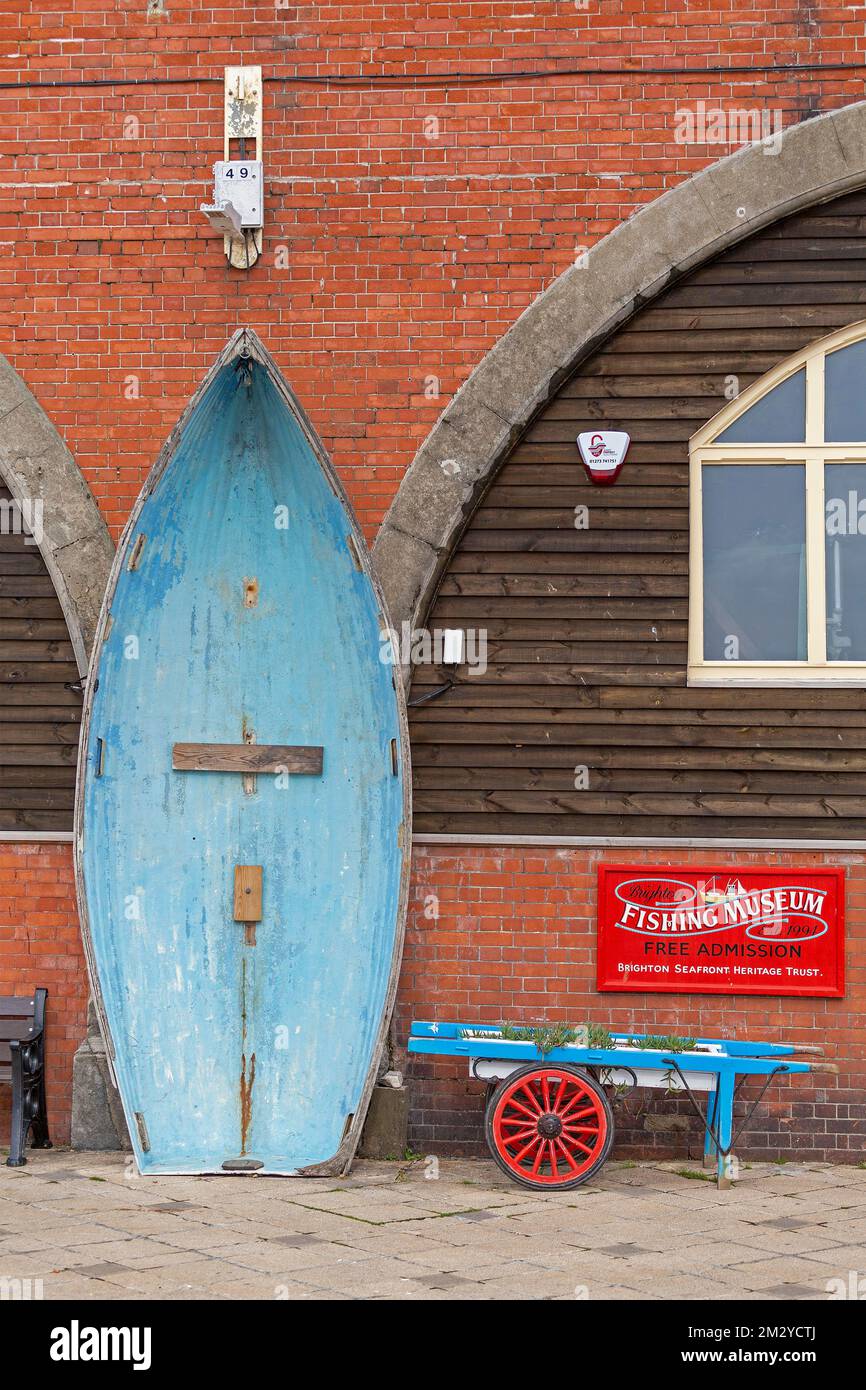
721, 930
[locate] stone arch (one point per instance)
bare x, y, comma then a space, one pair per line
75, 544
723, 204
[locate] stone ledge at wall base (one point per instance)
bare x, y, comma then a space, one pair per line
386, 1128
97, 1115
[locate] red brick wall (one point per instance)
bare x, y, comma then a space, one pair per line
514, 941
394, 253
40, 944
408, 252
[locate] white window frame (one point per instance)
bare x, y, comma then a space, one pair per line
812, 455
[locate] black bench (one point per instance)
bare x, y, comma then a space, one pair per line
22, 1066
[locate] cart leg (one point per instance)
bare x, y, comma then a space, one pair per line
725, 1127
710, 1152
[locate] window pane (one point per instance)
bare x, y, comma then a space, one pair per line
754, 520
777, 418
845, 394
845, 525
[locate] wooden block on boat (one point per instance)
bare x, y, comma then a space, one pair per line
248, 892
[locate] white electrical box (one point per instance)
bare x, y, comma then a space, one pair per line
240, 182
453, 640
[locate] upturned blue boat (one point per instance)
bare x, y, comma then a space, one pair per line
243, 829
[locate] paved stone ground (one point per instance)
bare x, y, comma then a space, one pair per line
90, 1229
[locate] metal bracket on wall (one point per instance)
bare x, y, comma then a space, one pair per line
239, 182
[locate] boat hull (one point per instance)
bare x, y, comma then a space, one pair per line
242, 609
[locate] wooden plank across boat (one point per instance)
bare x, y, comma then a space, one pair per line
242, 821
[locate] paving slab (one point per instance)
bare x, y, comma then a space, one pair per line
91, 1229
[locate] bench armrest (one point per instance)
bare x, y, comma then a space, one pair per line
35, 1035
28, 1052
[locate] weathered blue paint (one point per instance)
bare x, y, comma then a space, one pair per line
230, 1049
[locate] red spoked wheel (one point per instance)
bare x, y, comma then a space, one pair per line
549, 1127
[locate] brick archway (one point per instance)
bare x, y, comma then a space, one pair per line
75, 543
723, 204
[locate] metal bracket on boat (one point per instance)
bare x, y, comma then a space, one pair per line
237, 209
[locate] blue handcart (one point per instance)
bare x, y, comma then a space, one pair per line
549, 1122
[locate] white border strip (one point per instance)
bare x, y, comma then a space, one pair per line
65, 837
55, 837
635, 842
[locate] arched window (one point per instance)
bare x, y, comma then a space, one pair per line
778, 526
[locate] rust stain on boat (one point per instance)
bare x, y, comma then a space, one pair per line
247, 1079
247, 1083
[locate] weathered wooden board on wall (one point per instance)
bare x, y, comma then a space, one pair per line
40, 715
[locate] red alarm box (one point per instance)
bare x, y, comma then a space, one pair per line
603, 453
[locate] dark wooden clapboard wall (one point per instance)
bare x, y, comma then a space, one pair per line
39, 714
587, 628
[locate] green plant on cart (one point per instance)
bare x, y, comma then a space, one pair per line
657, 1042
546, 1037
599, 1037
670, 1082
